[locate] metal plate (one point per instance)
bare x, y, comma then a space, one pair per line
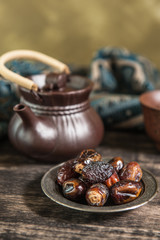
51, 190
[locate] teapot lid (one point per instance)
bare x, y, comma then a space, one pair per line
62, 82
58, 89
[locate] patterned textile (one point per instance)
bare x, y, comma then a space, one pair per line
26, 68
120, 77
8, 99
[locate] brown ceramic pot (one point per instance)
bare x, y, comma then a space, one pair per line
56, 125
150, 102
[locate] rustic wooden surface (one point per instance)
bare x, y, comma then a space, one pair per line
26, 213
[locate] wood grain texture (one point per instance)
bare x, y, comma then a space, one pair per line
26, 213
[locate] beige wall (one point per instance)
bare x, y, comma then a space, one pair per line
71, 30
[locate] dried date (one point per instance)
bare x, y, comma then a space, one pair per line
131, 172
97, 195
74, 189
125, 191
66, 171
97, 172
88, 177
86, 157
112, 180
117, 163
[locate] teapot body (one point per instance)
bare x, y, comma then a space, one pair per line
61, 126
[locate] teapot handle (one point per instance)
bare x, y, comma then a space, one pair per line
32, 55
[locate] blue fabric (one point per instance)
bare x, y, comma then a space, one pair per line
8, 99
26, 68
120, 77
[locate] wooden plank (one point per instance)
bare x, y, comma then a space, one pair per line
26, 213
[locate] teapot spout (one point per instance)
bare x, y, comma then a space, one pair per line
25, 113
33, 135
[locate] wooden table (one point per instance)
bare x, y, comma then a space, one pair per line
26, 213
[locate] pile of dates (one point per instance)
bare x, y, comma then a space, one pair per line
90, 178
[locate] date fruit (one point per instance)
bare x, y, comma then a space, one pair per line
86, 157
131, 172
117, 163
97, 172
125, 191
88, 178
97, 195
112, 180
66, 171
73, 189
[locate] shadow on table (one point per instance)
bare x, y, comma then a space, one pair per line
38, 203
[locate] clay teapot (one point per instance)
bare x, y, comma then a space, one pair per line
54, 120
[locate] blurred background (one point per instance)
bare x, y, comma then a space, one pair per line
72, 30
